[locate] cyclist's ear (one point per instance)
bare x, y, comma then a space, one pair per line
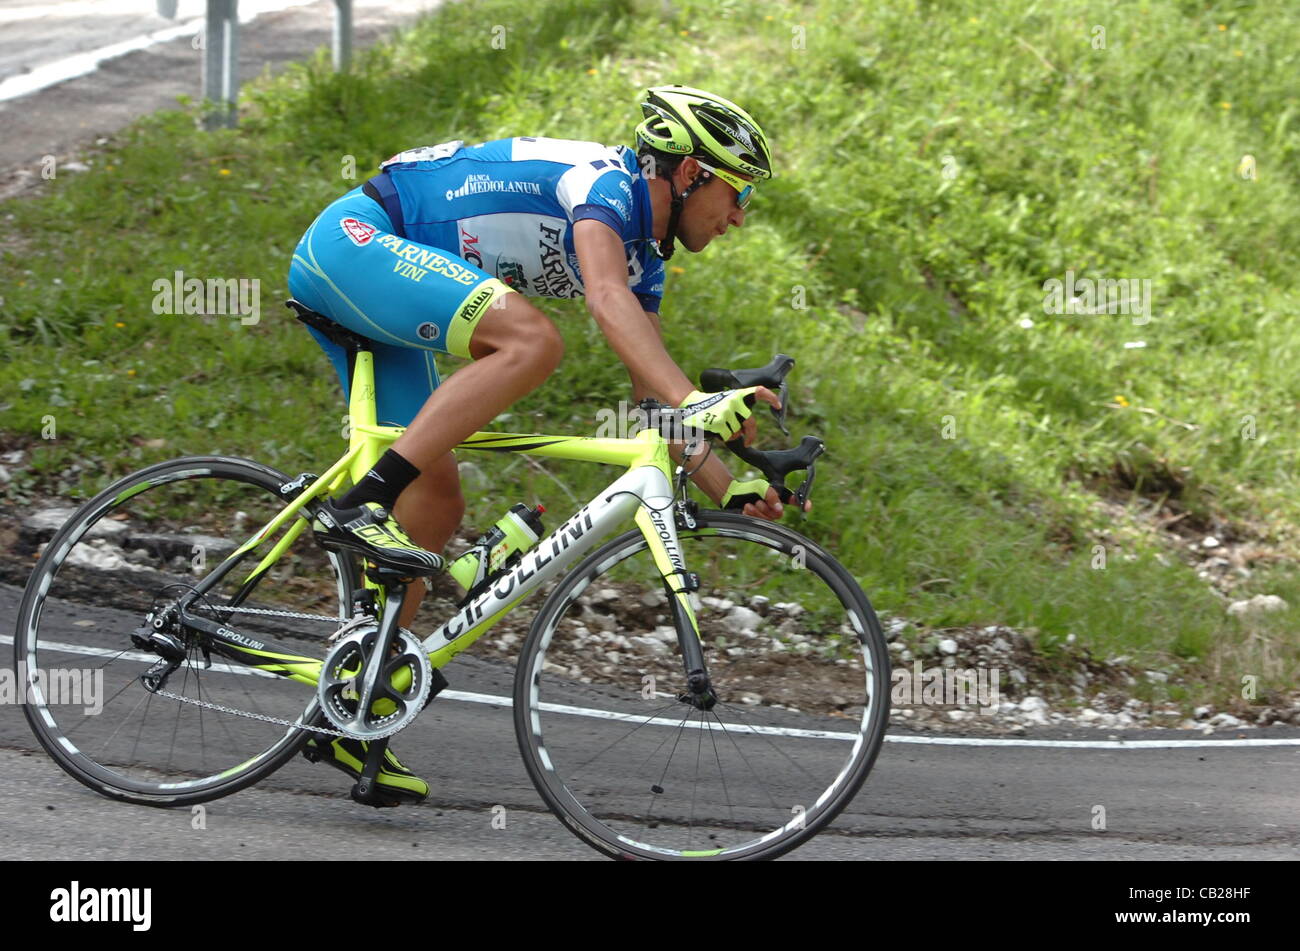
688, 170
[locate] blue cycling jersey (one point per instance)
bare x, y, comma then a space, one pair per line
508, 207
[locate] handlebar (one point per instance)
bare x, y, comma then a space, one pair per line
772, 376
775, 464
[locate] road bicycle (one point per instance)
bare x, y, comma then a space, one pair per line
702, 685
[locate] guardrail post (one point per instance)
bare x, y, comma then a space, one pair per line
342, 35
221, 62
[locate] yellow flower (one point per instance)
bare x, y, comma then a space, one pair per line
130, 373
1222, 27
592, 71
1225, 105
768, 18
119, 324
677, 270
686, 32
225, 171
1238, 53
1121, 401
974, 19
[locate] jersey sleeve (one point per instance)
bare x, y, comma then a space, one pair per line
650, 289
600, 189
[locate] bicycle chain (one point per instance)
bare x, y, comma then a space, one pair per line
207, 705
293, 725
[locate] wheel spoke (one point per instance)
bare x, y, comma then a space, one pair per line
763, 779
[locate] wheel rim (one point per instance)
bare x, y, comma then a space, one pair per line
138, 544
652, 777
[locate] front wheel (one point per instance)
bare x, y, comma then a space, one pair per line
137, 550
798, 663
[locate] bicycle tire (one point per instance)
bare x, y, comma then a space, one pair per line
149, 533
560, 719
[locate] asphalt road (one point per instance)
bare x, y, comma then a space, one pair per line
61, 119
920, 802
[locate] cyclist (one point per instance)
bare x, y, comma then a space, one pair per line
439, 253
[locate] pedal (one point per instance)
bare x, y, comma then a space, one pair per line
366, 789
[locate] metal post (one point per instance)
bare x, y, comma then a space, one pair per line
221, 61
342, 35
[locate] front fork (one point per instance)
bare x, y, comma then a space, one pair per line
661, 536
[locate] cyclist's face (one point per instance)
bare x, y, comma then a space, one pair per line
708, 213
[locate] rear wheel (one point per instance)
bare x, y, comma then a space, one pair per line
797, 660
137, 548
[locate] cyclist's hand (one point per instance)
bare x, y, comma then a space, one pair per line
725, 413
757, 498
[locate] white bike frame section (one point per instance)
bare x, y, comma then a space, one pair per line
643, 489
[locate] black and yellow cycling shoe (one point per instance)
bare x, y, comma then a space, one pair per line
371, 531
396, 784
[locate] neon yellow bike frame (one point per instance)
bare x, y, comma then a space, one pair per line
646, 487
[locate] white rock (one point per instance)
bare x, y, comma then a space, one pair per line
1001, 644
665, 633
1225, 721
1200, 713
759, 603
1259, 604
1088, 715
742, 619
1017, 675
1157, 676
947, 646
1209, 541
1033, 710
12, 458
654, 598
651, 644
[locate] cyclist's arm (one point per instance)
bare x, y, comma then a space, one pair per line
619, 315
713, 476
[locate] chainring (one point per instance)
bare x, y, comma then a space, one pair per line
391, 709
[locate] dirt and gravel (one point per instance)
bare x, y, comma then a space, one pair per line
990, 680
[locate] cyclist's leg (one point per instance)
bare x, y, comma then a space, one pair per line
414, 300
430, 510
515, 348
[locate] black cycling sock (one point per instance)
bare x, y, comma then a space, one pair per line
382, 484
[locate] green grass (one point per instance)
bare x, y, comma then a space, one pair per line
937, 163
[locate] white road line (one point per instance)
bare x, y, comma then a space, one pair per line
70, 67
497, 701
935, 740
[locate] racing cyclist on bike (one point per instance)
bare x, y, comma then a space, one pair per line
436, 253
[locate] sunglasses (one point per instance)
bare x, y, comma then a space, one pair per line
744, 189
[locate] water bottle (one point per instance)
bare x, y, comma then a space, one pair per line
498, 548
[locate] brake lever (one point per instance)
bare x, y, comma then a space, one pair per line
782, 394
776, 464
